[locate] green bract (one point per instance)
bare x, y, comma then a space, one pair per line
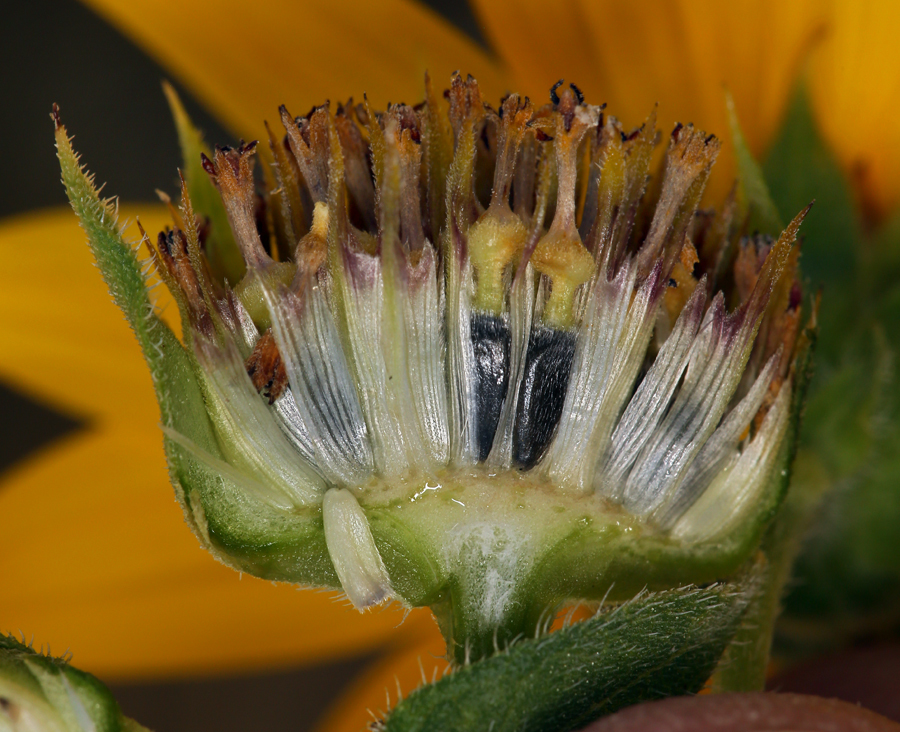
39, 693
847, 579
474, 361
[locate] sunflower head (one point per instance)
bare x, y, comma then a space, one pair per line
468, 357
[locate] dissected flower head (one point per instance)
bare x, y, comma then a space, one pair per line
480, 359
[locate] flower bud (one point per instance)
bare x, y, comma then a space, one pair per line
475, 362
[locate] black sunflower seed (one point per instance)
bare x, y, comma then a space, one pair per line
548, 364
491, 344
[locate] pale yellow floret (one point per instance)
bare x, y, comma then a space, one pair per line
563, 258
495, 241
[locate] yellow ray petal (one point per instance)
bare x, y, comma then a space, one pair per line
62, 339
418, 656
680, 53
95, 557
244, 61
855, 89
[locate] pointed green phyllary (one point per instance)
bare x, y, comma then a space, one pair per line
39, 693
753, 193
223, 254
745, 662
846, 581
244, 533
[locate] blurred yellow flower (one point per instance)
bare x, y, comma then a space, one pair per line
855, 90
103, 564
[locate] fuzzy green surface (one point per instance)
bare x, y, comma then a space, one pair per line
55, 697
566, 679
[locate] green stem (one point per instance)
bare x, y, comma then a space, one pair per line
471, 636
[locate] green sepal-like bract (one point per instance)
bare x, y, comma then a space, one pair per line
222, 252
753, 193
39, 692
847, 577
237, 528
745, 662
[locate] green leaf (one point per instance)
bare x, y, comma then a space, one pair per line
754, 200
654, 646
46, 693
